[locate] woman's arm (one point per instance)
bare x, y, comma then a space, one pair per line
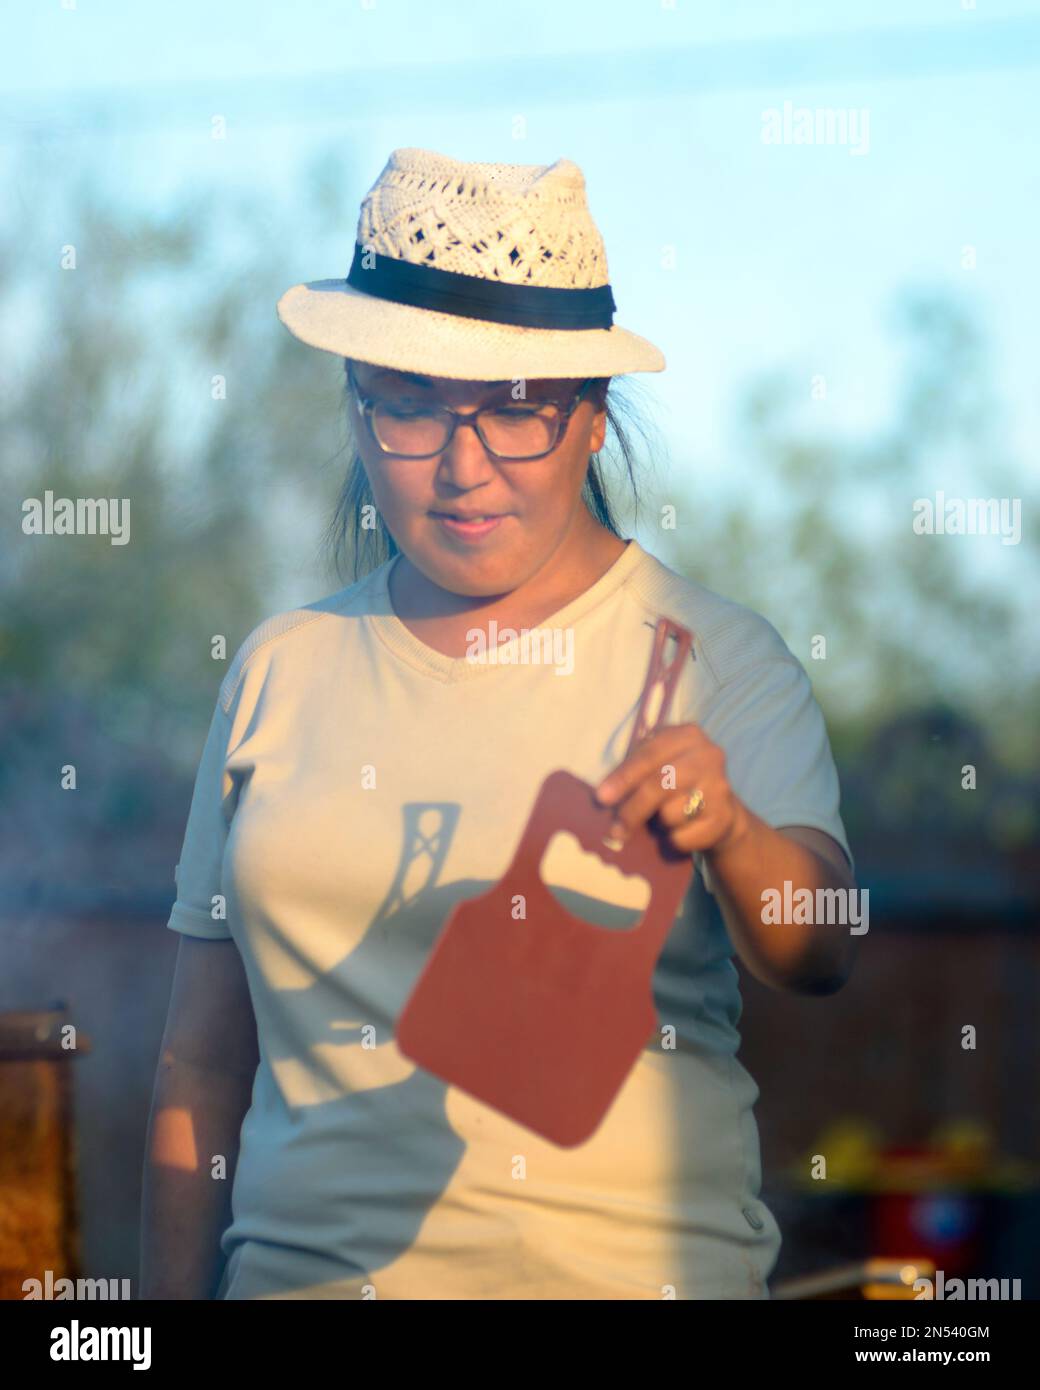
758, 874
202, 1091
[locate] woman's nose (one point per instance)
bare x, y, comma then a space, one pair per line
465, 461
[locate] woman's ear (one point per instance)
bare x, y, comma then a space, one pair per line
599, 431
599, 423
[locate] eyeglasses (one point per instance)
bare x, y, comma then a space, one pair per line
507, 431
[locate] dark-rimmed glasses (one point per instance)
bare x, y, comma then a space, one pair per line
517, 431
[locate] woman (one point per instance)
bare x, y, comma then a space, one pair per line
372, 761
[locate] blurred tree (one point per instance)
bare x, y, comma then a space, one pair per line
827, 547
154, 371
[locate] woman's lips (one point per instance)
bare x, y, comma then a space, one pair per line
467, 530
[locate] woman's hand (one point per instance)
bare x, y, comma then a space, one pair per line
748, 858
659, 777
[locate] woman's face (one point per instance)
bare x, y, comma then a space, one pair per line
538, 501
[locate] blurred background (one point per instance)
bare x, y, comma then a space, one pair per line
847, 303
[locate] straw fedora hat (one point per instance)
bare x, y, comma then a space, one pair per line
483, 272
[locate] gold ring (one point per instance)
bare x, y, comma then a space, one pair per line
694, 804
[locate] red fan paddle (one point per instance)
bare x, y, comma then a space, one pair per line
544, 1017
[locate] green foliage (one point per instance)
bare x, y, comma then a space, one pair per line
115, 395
827, 546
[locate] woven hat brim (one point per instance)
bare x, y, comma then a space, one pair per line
335, 317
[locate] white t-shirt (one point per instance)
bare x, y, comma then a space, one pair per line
354, 786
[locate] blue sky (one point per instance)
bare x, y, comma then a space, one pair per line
786, 256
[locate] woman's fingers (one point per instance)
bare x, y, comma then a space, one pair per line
668, 764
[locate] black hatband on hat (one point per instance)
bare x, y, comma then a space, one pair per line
526, 306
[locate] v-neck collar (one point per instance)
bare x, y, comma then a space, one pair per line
404, 643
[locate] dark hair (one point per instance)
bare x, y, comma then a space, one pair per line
356, 550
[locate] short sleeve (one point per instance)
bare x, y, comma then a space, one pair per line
198, 874
778, 756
